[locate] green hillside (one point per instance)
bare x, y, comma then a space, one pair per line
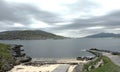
28, 35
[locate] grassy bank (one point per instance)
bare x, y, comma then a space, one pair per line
5, 55
4, 51
108, 66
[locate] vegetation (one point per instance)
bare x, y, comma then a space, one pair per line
5, 57
5, 51
108, 66
28, 35
86, 66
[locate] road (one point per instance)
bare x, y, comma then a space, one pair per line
114, 58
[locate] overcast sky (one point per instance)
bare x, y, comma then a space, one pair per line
71, 18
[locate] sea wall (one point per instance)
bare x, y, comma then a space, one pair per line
108, 51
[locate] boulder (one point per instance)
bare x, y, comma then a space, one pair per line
6, 67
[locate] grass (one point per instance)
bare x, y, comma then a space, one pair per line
4, 51
108, 66
91, 63
4, 54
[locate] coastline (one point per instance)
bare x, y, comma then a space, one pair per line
60, 64
42, 64
12, 55
55, 66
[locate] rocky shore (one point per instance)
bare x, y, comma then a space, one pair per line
16, 58
69, 65
17, 53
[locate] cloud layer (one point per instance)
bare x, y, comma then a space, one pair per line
24, 14
74, 19
82, 27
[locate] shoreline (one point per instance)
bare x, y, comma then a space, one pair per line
55, 64
44, 64
63, 64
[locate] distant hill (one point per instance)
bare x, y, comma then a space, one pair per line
28, 35
104, 35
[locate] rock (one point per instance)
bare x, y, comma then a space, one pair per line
24, 59
17, 52
17, 58
85, 58
99, 63
89, 68
115, 53
7, 67
78, 68
17, 62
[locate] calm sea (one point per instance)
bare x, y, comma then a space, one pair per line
68, 48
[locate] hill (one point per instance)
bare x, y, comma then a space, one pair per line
28, 35
104, 35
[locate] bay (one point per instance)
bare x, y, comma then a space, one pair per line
67, 48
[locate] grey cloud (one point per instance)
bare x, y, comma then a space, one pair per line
82, 8
22, 13
11, 13
109, 21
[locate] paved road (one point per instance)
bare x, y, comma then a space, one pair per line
114, 58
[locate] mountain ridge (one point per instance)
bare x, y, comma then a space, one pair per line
104, 35
28, 35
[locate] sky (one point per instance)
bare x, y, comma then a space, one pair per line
70, 18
